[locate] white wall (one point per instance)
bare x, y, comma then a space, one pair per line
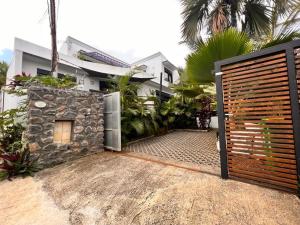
145, 90
155, 67
214, 122
23, 62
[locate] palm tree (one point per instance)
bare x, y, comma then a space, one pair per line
227, 44
253, 16
284, 24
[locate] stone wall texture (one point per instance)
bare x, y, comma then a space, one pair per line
83, 109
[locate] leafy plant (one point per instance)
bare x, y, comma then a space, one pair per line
14, 154
25, 80
17, 163
204, 112
9, 139
169, 111
200, 64
137, 119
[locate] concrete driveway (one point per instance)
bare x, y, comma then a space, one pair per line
120, 189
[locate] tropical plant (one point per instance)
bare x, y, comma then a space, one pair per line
218, 15
24, 80
200, 64
284, 24
15, 157
17, 163
204, 112
3, 71
136, 118
169, 111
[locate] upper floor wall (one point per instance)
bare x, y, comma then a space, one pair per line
156, 65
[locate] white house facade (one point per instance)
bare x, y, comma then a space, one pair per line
90, 67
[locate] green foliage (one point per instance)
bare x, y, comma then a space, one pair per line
3, 71
200, 64
25, 80
17, 163
217, 16
137, 119
169, 111
15, 157
284, 24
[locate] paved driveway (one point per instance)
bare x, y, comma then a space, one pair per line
185, 146
116, 189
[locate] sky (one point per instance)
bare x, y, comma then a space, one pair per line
127, 29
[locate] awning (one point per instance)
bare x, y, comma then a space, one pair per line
138, 77
169, 65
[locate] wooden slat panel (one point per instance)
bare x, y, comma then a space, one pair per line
269, 121
288, 136
254, 138
271, 171
292, 172
287, 152
269, 154
252, 92
264, 174
275, 73
249, 62
256, 82
253, 95
266, 180
255, 67
257, 104
277, 162
264, 68
231, 89
256, 96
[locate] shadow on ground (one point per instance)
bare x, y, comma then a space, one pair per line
111, 189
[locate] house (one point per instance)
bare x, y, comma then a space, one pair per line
91, 68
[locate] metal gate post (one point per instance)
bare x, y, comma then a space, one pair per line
292, 74
221, 121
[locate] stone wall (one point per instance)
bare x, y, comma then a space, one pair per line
83, 109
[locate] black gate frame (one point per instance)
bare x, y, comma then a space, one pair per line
288, 48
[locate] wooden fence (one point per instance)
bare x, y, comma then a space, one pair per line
259, 116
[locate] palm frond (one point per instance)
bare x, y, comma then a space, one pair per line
194, 14
282, 38
257, 18
230, 43
138, 126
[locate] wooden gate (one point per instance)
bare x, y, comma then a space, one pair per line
259, 118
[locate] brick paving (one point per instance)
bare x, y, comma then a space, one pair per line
185, 146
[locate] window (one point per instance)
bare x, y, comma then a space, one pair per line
42, 72
168, 75
62, 132
103, 85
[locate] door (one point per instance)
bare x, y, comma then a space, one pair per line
112, 121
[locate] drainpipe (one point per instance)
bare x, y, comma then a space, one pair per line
160, 88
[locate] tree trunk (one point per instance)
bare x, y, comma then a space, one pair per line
54, 58
233, 13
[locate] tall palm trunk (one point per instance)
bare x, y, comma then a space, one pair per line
233, 13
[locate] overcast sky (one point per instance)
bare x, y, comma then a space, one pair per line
128, 29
